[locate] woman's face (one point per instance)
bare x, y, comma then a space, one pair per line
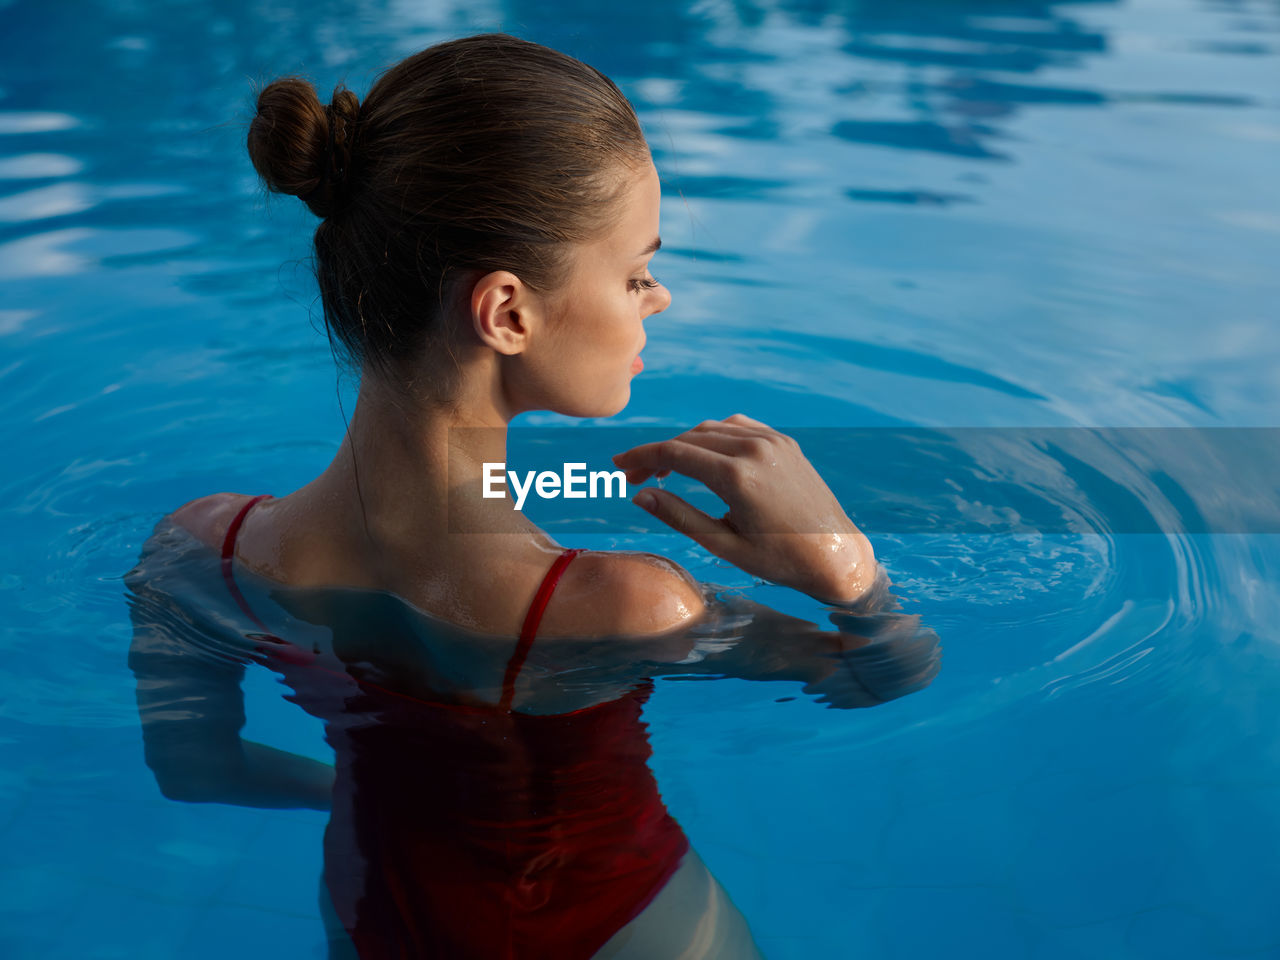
592, 347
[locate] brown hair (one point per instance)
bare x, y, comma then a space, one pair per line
479, 154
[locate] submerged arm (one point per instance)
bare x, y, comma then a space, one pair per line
874, 655
191, 708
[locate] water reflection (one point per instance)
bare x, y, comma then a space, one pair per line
900, 150
483, 803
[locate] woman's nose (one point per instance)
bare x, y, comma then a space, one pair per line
661, 299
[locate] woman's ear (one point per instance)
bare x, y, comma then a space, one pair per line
504, 311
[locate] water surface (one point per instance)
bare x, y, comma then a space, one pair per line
878, 214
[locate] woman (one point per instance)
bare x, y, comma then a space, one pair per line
488, 215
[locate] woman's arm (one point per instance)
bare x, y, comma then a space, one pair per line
649, 617
869, 659
191, 708
784, 525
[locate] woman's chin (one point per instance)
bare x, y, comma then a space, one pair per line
617, 403
605, 407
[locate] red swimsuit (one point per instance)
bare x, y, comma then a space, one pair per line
464, 831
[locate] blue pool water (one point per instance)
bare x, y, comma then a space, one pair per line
897, 213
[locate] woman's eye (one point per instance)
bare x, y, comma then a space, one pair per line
644, 283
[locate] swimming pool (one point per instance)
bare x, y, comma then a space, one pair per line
877, 215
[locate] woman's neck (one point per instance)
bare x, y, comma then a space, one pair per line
406, 475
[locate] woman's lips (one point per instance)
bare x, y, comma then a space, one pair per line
637, 364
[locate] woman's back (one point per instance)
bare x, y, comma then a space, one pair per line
468, 821
491, 589
462, 828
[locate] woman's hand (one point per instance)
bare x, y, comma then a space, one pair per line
783, 523
875, 659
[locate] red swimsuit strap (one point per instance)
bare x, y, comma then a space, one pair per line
527, 632
530, 628
228, 552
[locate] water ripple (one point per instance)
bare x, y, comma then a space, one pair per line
35, 122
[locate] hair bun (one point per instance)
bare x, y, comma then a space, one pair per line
302, 148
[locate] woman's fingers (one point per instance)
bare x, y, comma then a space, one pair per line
693, 459
689, 520
638, 475
709, 431
735, 445
744, 420
730, 444
774, 496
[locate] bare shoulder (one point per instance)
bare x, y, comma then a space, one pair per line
625, 593
207, 518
